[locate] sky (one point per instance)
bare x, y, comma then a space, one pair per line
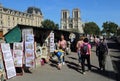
97, 11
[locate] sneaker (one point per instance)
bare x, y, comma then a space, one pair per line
63, 63
83, 73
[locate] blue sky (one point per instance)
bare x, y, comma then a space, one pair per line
98, 11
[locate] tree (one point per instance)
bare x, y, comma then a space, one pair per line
91, 28
110, 28
49, 24
118, 31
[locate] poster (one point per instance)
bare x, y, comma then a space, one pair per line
29, 45
30, 62
28, 31
29, 38
29, 50
38, 51
8, 60
18, 58
18, 46
5, 47
29, 54
18, 54
52, 45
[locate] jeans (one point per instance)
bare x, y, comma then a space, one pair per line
85, 57
102, 60
79, 57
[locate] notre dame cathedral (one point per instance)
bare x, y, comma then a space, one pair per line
74, 23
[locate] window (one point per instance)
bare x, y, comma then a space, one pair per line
8, 18
21, 19
64, 15
0, 16
70, 25
8, 23
76, 14
13, 18
1, 22
0, 10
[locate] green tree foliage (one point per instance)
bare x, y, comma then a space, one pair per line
91, 28
109, 27
49, 24
118, 31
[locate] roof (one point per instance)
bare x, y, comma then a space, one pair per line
31, 10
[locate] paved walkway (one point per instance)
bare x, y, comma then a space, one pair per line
70, 71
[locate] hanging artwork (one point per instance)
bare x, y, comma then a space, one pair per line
52, 45
29, 45
29, 50
8, 60
28, 31
18, 54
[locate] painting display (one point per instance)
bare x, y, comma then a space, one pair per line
28, 31
18, 54
29, 49
8, 60
52, 45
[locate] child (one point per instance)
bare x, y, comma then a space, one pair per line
59, 53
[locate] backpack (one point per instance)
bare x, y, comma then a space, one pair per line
84, 49
102, 48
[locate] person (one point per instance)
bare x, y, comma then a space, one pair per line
102, 51
91, 40
59, 53
85, 54
78, 46
62, 44
97, 40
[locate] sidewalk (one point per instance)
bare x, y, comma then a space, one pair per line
70, 71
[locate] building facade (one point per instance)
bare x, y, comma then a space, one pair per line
10, 18
74, 23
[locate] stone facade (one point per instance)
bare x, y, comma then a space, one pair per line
10, 18
74, 23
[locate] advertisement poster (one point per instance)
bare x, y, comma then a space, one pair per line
8, 60
52, 45
18, 54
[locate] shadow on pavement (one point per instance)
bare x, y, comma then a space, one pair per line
73, 58
116, 65
108, 74
118, 57
74, 66
53, 63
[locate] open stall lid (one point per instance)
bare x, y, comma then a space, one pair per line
13, 35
